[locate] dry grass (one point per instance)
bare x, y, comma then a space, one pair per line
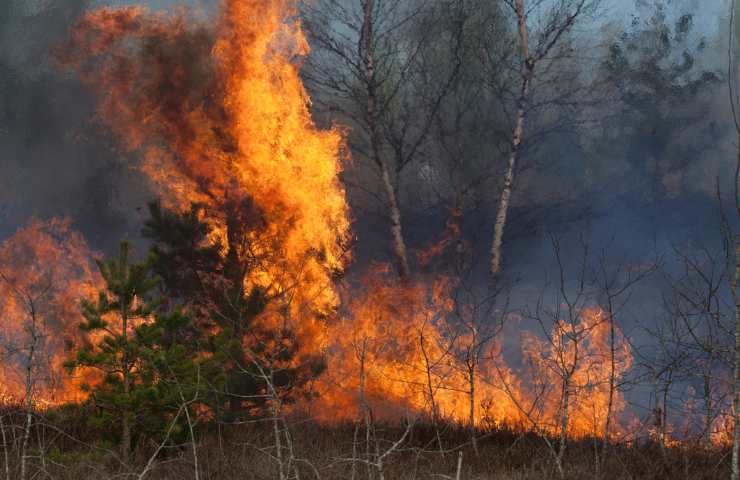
71, 450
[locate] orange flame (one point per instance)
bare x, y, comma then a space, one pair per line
399, 349
224, 118
577, 364
220, 117
45, 269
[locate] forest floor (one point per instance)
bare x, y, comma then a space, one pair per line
247, 451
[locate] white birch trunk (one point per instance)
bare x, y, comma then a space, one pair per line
736, 370
371, 112
527, 73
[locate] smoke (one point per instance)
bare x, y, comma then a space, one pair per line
58, 159
55, 159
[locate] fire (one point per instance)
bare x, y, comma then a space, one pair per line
576, 364
399, 350
395, 350
45, 269
220, 117
389, 352
722, 430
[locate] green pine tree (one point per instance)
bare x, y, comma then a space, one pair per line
147, 374
210, 278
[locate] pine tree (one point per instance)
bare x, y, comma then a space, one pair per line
147, 373
197, 273
210, 278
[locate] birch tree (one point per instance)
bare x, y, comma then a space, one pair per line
366, 71
732, 247
736, 364
532, 54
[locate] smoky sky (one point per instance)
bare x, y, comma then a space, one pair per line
55, 159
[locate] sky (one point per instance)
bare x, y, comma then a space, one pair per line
46, 157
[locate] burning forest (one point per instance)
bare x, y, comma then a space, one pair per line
369, 239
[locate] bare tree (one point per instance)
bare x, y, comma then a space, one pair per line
433, 361
736, 363
698, 310
560, 19
553, 363
45, 269
615, 284
732, 243
478, 320
367, 68
32, 299
576, 368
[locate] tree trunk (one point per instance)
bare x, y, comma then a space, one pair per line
5, 448
276, 432
563, 428
399, 244
126, 414
471, 406
660, 415
708, 406
736, 370
610, 401
24, 447
366, 412
126, 431
527, 73
371, 112
28, 398
430, 391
